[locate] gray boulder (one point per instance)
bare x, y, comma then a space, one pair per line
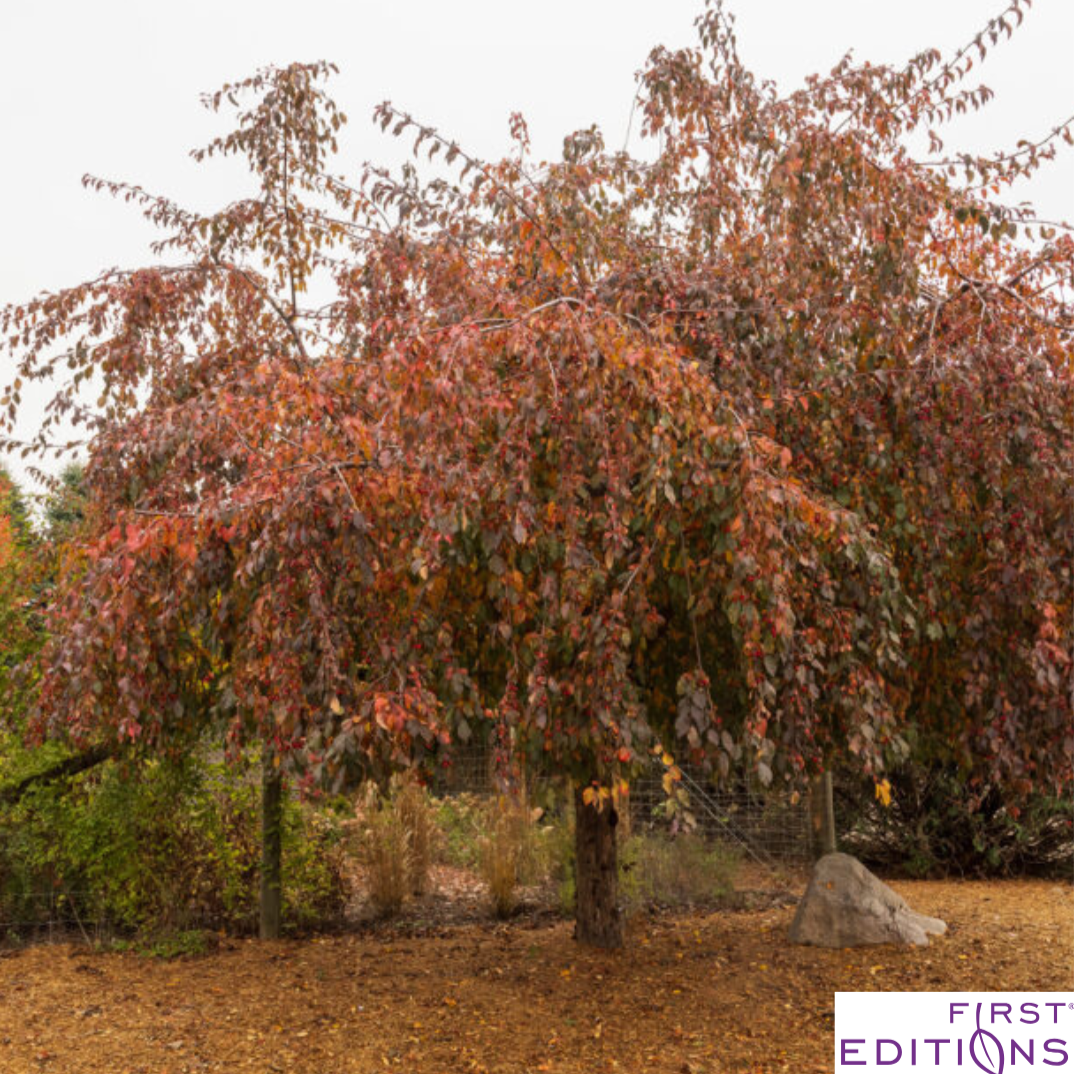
846, 906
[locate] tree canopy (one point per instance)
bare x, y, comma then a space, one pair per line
756, 450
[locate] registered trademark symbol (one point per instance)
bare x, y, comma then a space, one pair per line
1071, 1006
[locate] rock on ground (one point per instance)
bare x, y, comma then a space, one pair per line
846, 906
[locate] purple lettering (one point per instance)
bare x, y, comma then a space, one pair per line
1027, 1009
1025, 1055
937, 1041
1004, 1010
880, 1061
1059, 1050
843, 1053
954, 1010
1055, 1012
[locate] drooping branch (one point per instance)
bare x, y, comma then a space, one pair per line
65, 769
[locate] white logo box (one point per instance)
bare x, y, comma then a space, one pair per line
953, 1032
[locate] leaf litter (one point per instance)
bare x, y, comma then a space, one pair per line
694, 993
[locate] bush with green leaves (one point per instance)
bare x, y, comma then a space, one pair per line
152, 847
459, 820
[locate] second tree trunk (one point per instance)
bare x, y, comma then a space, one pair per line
271, 850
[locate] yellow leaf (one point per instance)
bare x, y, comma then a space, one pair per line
335, 706
883, 793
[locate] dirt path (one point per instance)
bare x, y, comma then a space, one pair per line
691, 995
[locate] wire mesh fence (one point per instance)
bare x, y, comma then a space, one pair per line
767, 833
35, 917
769, 827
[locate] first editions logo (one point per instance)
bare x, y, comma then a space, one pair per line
953, 1031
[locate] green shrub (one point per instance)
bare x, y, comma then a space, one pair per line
160, 848
185, 944
315, 885
459, 820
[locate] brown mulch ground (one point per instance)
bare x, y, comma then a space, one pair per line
693, 994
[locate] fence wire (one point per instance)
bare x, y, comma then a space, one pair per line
768, 831
52, 917
770, 827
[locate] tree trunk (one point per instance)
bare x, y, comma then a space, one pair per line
822, 815
596, 872
271, 821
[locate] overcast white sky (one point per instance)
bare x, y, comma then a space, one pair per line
111, 87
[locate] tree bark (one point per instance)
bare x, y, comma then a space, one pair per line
822, 815
596, 873
271, 854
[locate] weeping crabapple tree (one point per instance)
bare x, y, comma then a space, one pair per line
597, 460
466, 496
